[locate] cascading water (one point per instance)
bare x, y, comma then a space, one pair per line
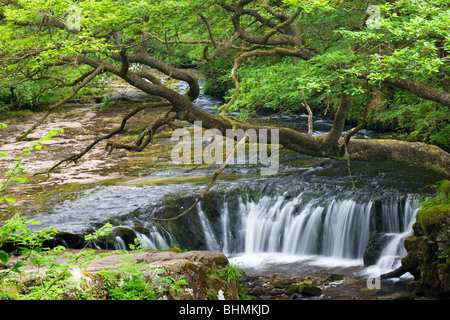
308, 214
301, 226
391, 254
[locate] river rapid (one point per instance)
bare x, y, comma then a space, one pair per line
307, 219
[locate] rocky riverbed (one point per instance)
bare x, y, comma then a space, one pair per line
82, 123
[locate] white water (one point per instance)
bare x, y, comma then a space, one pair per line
154, 239
391, 255
331, 232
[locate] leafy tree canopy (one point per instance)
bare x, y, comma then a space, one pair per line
365, 61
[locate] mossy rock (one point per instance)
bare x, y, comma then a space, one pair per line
304, 288
427, 259
400, 295
412, 243
282, 283
432, 218
335, 277
293, 288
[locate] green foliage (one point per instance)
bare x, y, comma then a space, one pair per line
408, 40
134, 280
231, 272
442, 196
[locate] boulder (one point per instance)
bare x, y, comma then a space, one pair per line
428, 253
305, 289
200, 269
374, 248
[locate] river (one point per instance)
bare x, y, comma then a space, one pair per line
305, 219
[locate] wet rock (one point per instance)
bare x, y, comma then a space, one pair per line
427, 258
256, 291
374, 248
277, 287
309, 289
335, 277
276, 291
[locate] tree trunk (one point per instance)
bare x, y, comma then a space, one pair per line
421, 90
328, 146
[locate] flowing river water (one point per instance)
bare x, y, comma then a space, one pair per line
305, 220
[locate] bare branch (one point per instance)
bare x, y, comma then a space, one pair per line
214, 44
310, 117
148, 133
62, 101
213, 180
74, 158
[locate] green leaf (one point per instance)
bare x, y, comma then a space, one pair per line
8, 199
4, 257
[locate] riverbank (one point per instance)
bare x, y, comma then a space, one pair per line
81, 203
141, 275
82, 122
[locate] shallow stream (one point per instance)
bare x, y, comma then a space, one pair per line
305, 220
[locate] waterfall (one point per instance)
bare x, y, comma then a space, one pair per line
154, 239
305, 226
121, 245
225, 223
210, 238
391, 255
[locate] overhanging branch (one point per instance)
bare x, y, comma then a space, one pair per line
62, 101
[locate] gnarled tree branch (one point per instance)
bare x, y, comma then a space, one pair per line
97, 71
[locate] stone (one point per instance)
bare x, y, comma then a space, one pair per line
427, 259
198, 268
335, 277
309, 289
293, 288
256, 291
275, 291
282, 283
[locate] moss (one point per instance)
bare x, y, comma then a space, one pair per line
400, 295
412, 243
335, 277
282, 283
428, 259
309, 289
304, 288
433, 217
213, 284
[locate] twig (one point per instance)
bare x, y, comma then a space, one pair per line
213, 180
62, 101
310, 117
74, 158
139, 144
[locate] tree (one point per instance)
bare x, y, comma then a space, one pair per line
335, 46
